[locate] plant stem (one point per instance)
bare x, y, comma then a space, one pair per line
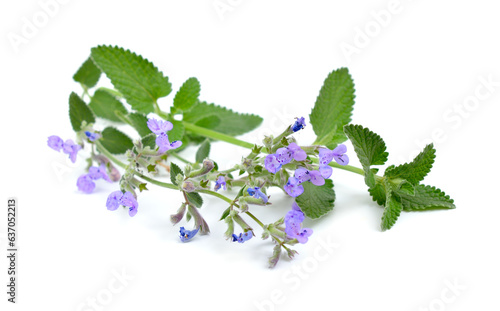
175, 155
124, 166
255, 219
216, 135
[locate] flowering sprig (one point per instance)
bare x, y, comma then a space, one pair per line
303, 172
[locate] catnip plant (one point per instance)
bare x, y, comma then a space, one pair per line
302, 172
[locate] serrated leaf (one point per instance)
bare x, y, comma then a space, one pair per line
195, 199
377, 193
140, 82
333, 107
415, 171
79, 112
88, 74
187, 95
231, 123
426, 197
209, 122
316, 201
174, 171
393, 208
104, 105
369, 147
139, 122
203, 152
406, 187
115, 141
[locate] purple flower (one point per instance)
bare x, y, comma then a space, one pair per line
159, 126
284, 155
242, 237
298, 153
55, 142
99, 172
272, 164
299, 124
114, 200
187, 235
293, 187
85, 183
92, 136
302, 174
164, 144
72, 149
293, 225
257, 193
68, 147
220, 182
325, 171
118, 198
327, 155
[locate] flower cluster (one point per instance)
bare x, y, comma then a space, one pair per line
294, 186
160, 128
68, 146
126, 199
284, 155
86, 183
293, 225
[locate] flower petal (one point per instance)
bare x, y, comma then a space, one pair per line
325, 171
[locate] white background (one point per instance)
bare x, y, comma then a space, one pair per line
417, 67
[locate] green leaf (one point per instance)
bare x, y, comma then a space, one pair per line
104, 105
140, 82
79, 112
231, 123
115, 141
177, 132
378, 193
415, 171
333, 107
203, 152
142, 187
425, 198
369, 147
149, 140
187, 95
195, 199
316, 201
88, 74
393, 208
174, 171
209, 122
139, 122
225, 213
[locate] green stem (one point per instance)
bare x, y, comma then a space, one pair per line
216, 135
255, 219
175, 155
124, 166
